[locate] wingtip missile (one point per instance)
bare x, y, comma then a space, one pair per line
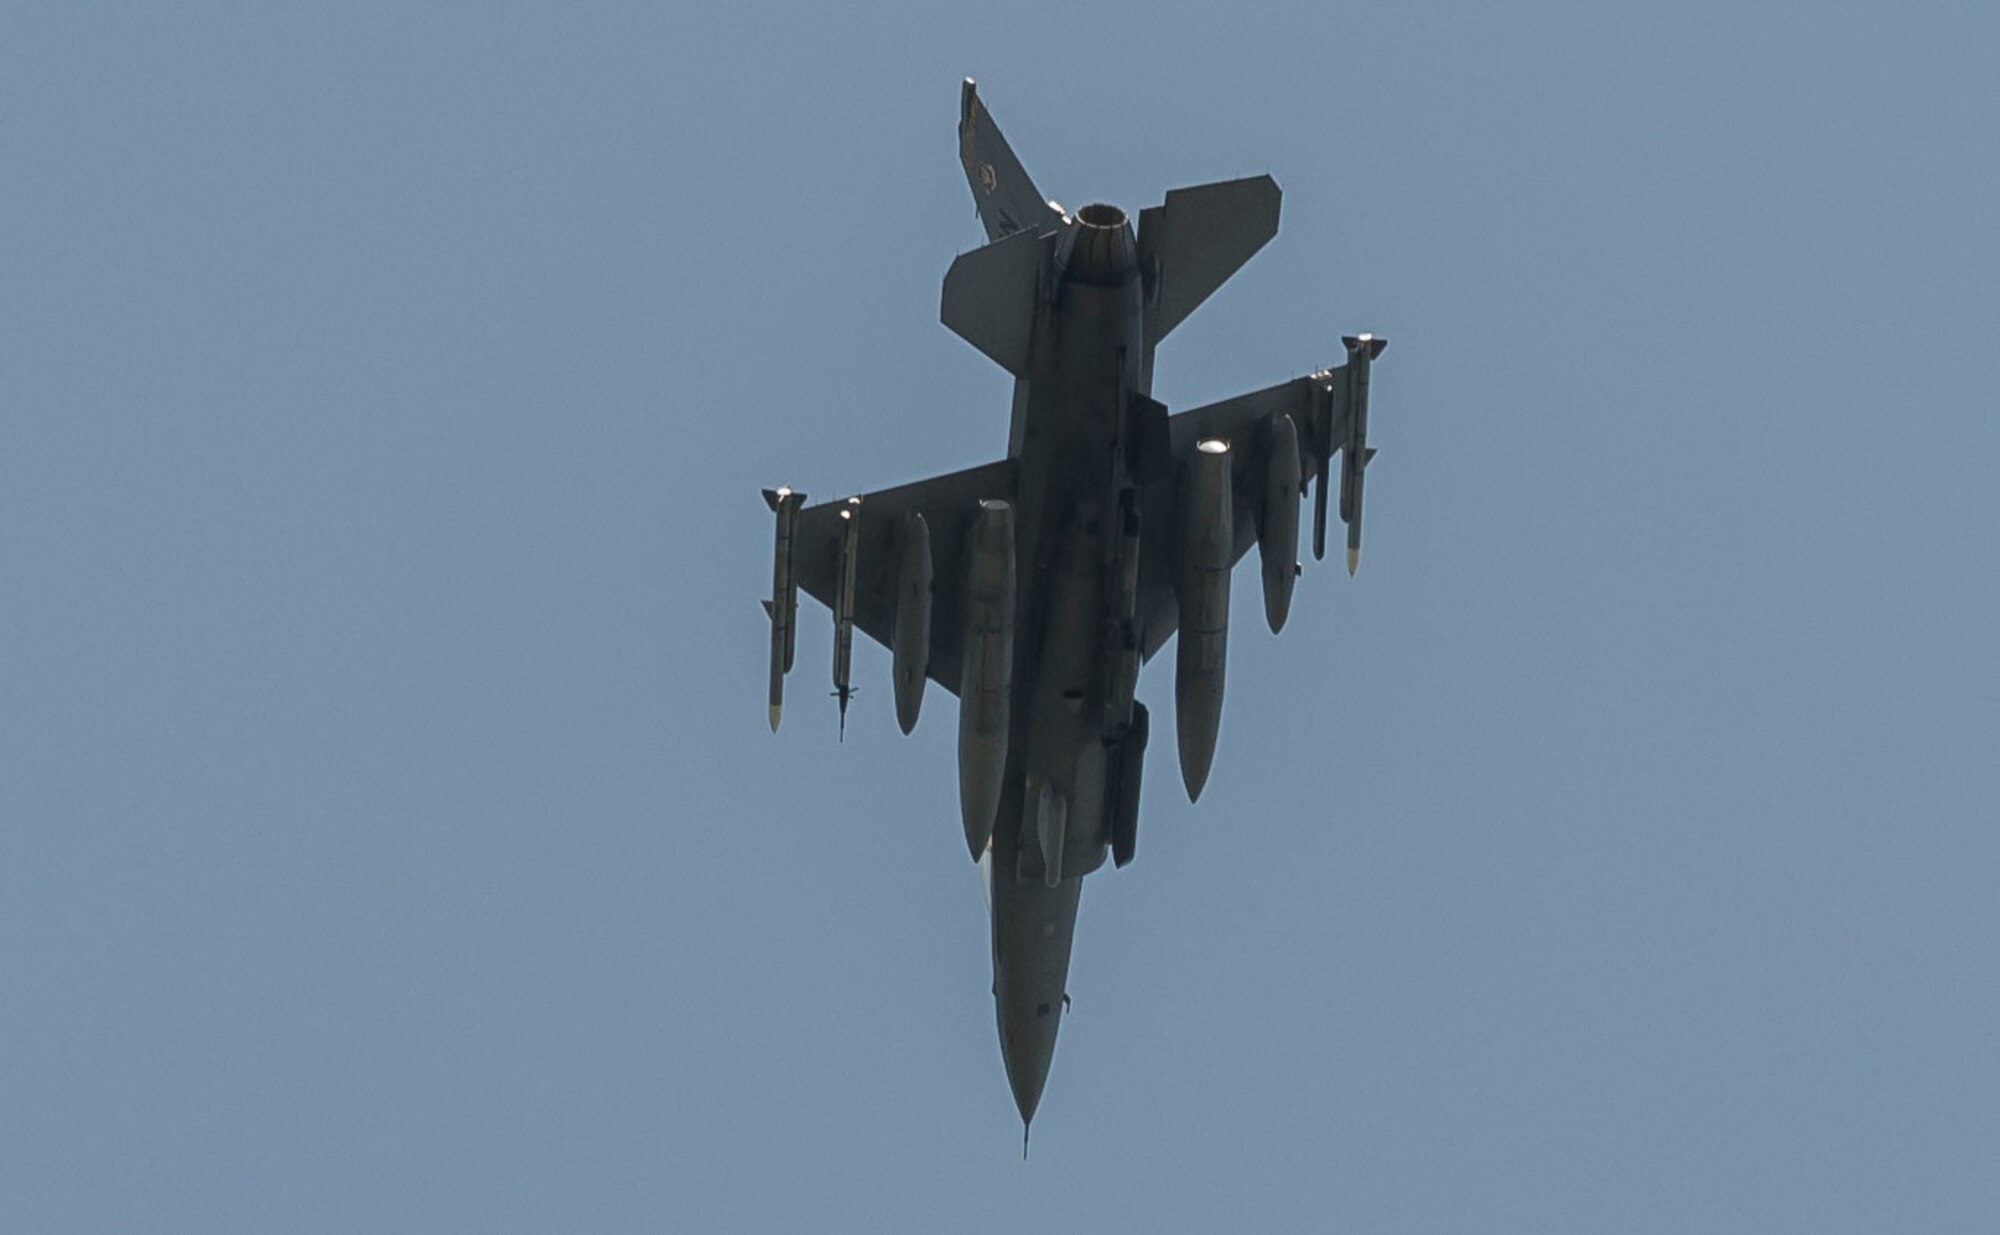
777, 711
782, 607
1356, 452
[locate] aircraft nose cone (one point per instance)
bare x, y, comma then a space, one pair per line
1032, 928
1027, 1073
1027, 1046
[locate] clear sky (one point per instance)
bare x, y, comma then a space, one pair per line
390, 836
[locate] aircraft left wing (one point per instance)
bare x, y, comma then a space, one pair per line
1328, 415
947, 504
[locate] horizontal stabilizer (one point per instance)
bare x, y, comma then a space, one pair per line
1192, 243
991, 295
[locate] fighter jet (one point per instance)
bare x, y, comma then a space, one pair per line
1035, 586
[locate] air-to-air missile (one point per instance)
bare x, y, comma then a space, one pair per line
783, 607
843, 607
1354, 456
986, 669
1354, 449
1201, 589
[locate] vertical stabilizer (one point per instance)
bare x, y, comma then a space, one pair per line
1008, 201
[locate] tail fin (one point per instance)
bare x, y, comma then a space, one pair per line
1008, 201
1196, 239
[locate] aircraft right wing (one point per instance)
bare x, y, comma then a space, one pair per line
947, 504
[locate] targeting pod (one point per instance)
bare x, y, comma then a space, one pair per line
911, 643
783, 607
1051, 828
986, 670
843, 607
1125, 806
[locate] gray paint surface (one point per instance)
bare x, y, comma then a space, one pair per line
1099, 486
391, 836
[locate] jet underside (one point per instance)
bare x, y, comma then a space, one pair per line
1035, 587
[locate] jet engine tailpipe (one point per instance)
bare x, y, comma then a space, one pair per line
1099, 247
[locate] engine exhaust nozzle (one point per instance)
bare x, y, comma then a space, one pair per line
1101, 248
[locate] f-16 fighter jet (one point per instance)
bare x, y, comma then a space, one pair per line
1035, 586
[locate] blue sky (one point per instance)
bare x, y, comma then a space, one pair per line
390, 837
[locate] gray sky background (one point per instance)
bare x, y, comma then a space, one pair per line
390, 838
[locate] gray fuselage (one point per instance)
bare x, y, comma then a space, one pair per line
1088, 361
